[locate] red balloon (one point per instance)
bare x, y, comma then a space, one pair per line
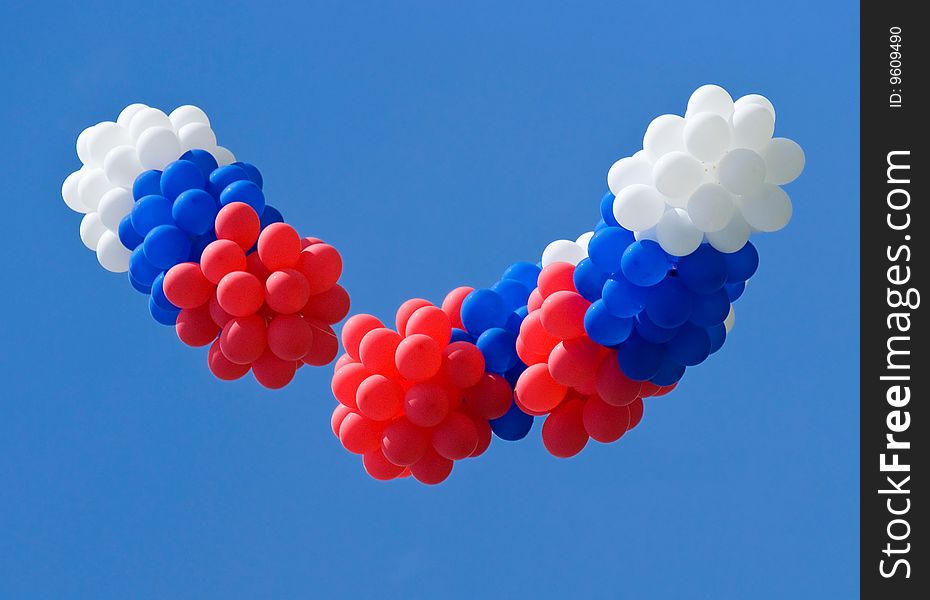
222, 367
538, 391
452, 305
321, 265
289, 337
665, 389
528, 357
431, 321
220, 258
376, 351
309, 241
238, 222
342, 361
195, 326
534, 335
432, 468
574, 363
563, 433
219, 316
240, 294
636, 412
405, 310
355, 329
535, 301
287, 291
648, 389
325, 344
404, 443
562, 314
484, 437
462, 364
279, 246
490, 398
379, 467
426, 404
379, 398
330, 306
273, 372
255, 266
456, 437
612, 385
556, 277
604, 422
186, 287
345, 383
339, 413
418, 357
359, 434
244, 339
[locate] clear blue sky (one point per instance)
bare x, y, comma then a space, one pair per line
433, 145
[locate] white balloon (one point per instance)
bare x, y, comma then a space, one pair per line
187, 114
638, 207
91, 230
707, 136
70, 193
731, 318
742, 171
103, 138
677, 234
664, 134
677, 174
732, 237
641, 154
91, 188
158, 146
122, 166
222, 155
711, 207
710, 98
148, 118
628, 171
784, 160
753, 126
126, 115
115, 204
583, 240
196, 135
768, 209
755, 99
645, 234
111, 254
563, 251
83, 151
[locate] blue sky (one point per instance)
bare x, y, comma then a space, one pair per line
433, 145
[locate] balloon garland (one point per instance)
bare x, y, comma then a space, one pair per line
601, 323
190, 225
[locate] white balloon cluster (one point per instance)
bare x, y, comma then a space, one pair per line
114, 154
711, 176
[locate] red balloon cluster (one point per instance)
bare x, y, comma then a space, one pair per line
269, 295
411, 402
572, 379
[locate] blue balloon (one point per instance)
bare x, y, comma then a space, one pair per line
622, 298
150, 212
514, 293
194, 211
735, 290
202, 159
742, 264
180, 176
166, 246
600, 225
589, 280
670, 372
690, 346
607, 246
460, 335
498, 346
710, 309
199, 243
128, 236
162, 315
244, 191
644, 263
718, 335
514, 321
525, 272
255, 176
607, 210
669, 303
144, 289
513, 374
651, 332
603, 327
704, 270
148, 183
640, 360
140, 269
220, 178
513, 426
270, 215
158, 293
483, 309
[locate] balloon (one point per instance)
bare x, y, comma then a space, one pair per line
240, 294
380, 468
563, 432
574, 363
126, 115
460, 335
127, 235
784, 160
220, 316
623, 299
279, 246
605, 328
149, 212
202, 159
606, 248
426, 404
534, 302
513, 426
321, 265
707, 136
456, 437
710, 98
346, 381
690, 346
325, 344
677, 234
589, 280
223, 156
538, 391
142, 289
735, 290
742, 264
668, 374
194, 211
239, 223
289, 337
497, 347
710, 309
565, 251
287, 291
330, 306
490, 398
69, 192
604, 422
664, 135
703, 271
555, 277
157, 146
255, 176
196, 135
112, 255
339, 414
756, 99
431, 321
535, 336
612, 386
226, 370
166, 246
718, 335
377, 349
244, 339
121, 165
220, 258
753, 126
103, 138
418, 357
92, 228
186, 114
626, 172
180, 176
607, 205
636, 413
462, 365
222, 177
359, 434
355, 329
195, 327
644, 263
483, 429
732, 237
162, 315
432, 468
483, 309
244, 191
147, 183
140, 269
677, 174
651, 332
562, 314
273, 215
380, 398
669, 303
639, 360
452, 305
741, 171
403, 443
92, 185
767, 209
525, 272
514, 293
638, 207
730, 320
710, 207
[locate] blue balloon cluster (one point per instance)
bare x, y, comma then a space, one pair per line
661, 313
173, 218
492, 318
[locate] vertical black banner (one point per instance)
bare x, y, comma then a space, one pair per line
894, 368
